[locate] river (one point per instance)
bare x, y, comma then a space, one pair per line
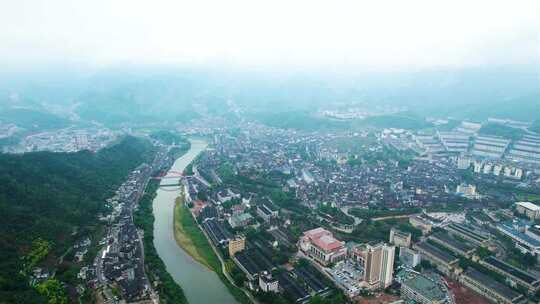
200, 285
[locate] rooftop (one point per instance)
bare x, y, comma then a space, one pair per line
442, 255
327, 243
265, 209
491, 284
451, 242
401, 234
529, 205
241, 217
511, 270
323, 239
519, 235
465, 230
426, 287
292, 288
316, 233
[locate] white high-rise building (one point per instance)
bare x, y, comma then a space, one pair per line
478, 166
387, 265
497, 170
487, 168
464, 162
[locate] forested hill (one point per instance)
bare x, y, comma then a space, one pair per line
44, 196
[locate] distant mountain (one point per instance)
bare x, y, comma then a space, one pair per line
44, 196
149, 94
145, 95
32, 119
472, 93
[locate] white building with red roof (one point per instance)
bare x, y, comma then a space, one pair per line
321, 245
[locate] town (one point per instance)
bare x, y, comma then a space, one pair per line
390, 215
371, 216
117, 272
70, 139
283, 152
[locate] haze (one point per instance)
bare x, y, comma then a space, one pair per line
341, 34
269, 152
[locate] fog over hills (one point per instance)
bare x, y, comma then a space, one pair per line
182, 60
269, 152
157, 93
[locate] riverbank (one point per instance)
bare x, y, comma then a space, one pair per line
200, 285
169, 291
191, 238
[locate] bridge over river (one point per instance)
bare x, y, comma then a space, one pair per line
200, 285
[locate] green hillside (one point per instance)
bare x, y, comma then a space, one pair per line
407, 121
44, 196
299, 121
501, 130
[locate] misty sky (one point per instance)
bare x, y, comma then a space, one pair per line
276, 32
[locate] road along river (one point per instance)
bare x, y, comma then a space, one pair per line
200, 285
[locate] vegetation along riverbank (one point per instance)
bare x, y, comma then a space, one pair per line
169, 291
190, 237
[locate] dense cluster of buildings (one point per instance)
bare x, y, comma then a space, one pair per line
118, 270
488, 287
525, 236
510, 160
64, 140
515, 275
526, 149
315, 170
447, 250
121, 262
466, 140
353, 267
224, 213
257, 196
490, 167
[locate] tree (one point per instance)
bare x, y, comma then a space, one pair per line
335, 298
54, 291
202, 195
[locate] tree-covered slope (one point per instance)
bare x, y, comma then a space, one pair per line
46, 195
298, 120
169, 138
502, 131
408, 121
